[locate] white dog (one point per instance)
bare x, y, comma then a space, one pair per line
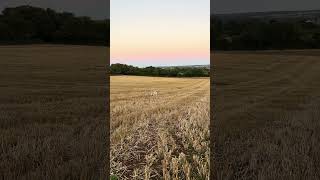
154, 93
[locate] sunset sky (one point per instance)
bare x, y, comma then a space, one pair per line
166, 32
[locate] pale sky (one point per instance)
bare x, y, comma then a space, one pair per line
160, 32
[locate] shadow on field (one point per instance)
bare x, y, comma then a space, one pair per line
267, 117
53, 117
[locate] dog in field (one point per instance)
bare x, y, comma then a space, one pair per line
151, 93
154, 93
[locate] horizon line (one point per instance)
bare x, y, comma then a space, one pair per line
163, 65
268, 11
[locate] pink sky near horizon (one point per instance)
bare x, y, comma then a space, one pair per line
130, 56
164, 60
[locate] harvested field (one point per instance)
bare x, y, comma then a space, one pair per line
160, 127
52, 112
267, 114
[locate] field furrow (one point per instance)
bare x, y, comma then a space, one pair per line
267, 115
163, 135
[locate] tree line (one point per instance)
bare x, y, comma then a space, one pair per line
260, 34
123, 69
27, 24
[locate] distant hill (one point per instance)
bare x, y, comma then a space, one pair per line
278, 15
266, 30
164, 71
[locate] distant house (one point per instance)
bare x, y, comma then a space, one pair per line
315, 20
181, 74
228, 39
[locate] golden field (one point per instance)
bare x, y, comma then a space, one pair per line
159, 127
52, 112
267, 111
